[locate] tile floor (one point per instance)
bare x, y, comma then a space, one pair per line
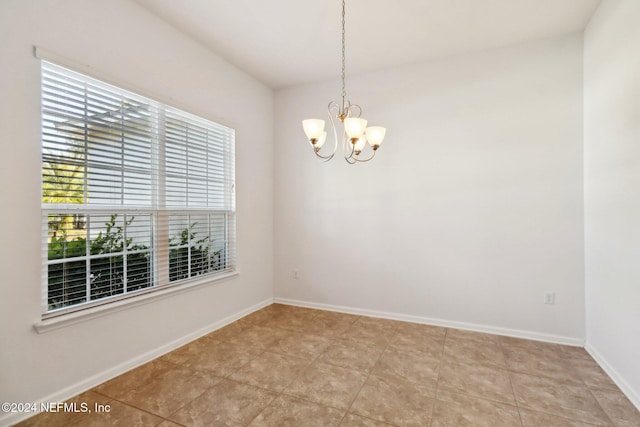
292, 366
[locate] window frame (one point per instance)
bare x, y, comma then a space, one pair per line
159, 219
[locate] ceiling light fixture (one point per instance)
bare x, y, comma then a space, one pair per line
355, 135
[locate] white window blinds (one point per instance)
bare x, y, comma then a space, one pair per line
136, 195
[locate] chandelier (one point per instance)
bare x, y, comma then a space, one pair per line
355, 133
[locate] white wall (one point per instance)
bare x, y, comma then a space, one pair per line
119, 39
612, 190
472, 209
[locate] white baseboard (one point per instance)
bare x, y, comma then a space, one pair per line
558, 339
91, 382
632, 395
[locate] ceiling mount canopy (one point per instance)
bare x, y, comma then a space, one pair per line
355, 134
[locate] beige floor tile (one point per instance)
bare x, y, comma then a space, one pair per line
337, 316
351, 355
167, 393
557, 398
70, 418
368, 334
623, 423
299, 345
167, 423
371, 331
327, 327
395, 401
454, 410
258, 336
222, 358
538, 419
228, 403
263, 315
532, 347
542, 364
379, 323
227, 332
180, 355
136, 378
406, 339
328, 385
293, 321
280, 307
352, 420
419, 329
284, 308
574, 352
271, 370
476, 380
412, 366
287, 411
618, 407
592, 374
461, 334
121, 415
474, 352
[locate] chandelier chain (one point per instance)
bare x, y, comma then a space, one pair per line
344, 91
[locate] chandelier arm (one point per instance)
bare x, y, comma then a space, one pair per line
334, 110
333, 107
348, 149
324, 158
365, 160
350, 159
351, 106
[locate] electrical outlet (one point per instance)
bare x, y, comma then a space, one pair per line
294, 274
550, 298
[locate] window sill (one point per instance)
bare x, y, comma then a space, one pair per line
79, 316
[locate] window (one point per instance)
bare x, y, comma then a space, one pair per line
136, 195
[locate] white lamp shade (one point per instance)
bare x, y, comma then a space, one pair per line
375, 135
354, 126
321, 140
313, 128
359, 145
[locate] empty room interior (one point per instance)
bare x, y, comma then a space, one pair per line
360, 213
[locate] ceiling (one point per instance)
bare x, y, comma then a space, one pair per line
290, 42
